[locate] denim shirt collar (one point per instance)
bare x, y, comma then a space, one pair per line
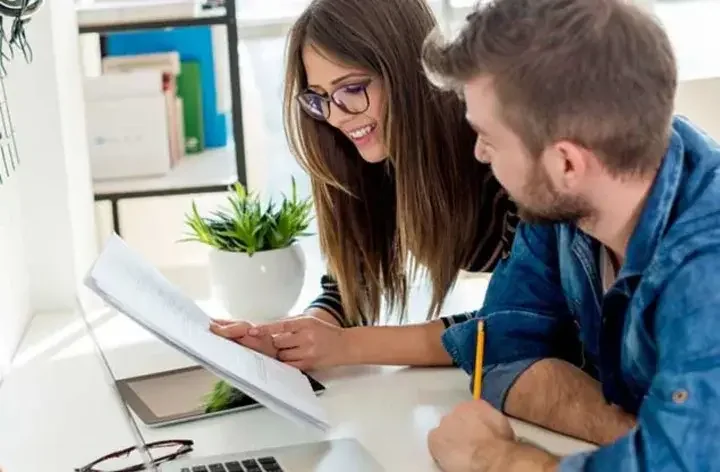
654, 217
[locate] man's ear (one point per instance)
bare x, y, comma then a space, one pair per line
566, 164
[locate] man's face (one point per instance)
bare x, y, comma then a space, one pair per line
525, 177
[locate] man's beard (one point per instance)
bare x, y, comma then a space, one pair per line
548, 205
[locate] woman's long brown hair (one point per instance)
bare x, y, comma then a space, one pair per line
423, 200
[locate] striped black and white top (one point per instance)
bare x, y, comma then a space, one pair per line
495, 237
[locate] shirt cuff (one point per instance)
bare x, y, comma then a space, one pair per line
460, 334
498, 380
452, 320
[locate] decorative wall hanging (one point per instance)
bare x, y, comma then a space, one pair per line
14, 16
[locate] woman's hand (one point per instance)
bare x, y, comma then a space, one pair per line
238, 331
305, 342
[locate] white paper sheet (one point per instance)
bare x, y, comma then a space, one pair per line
124, 280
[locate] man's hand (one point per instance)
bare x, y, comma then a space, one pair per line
238, 331
475, 437
472, 426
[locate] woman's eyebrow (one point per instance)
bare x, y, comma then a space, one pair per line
342, 78
347, 76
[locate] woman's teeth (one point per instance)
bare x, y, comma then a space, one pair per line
361, 132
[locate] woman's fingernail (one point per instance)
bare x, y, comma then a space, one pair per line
253, 331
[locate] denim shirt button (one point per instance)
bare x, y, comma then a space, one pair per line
680, 396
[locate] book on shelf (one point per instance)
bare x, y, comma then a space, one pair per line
193, 43
168, 63
190, 89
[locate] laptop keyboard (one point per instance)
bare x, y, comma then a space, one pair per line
263, 464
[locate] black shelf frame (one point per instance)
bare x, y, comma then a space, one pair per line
160, 24
229, 19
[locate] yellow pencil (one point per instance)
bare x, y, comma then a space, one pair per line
477, 386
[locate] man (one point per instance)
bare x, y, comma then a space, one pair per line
612, 294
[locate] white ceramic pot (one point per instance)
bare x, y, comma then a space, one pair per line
257, 288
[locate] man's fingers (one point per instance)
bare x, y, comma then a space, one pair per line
289, 325
288, 340
233, 330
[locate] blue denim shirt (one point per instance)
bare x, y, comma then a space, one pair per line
653, 340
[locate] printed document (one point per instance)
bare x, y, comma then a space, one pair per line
124, 280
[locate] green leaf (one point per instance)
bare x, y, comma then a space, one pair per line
222, 397
248, 225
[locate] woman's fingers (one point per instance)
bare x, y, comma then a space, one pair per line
235, 330
300, 365
289, 340
294, 354
222, 322
289, 325
263, 345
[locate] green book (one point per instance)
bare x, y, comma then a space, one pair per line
189, 88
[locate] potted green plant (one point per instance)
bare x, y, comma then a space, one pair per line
257, 267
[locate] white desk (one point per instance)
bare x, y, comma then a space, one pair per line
57, 411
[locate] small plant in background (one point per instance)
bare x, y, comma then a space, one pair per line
248, 225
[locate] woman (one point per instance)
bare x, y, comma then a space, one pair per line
394, 185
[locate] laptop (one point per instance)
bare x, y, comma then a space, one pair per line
346, 455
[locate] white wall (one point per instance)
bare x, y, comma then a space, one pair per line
14, 302
46, 102
698, 99
46, 210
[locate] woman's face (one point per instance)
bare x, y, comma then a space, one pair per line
350, 99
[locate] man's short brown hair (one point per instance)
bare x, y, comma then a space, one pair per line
599, 73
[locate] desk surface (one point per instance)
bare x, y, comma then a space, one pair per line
57, 410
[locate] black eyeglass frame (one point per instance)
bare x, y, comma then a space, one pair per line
331, 99
185, 446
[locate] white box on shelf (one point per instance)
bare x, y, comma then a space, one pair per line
123, 84
128, 137
132, 124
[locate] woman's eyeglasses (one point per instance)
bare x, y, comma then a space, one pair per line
352, 99
115, 461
